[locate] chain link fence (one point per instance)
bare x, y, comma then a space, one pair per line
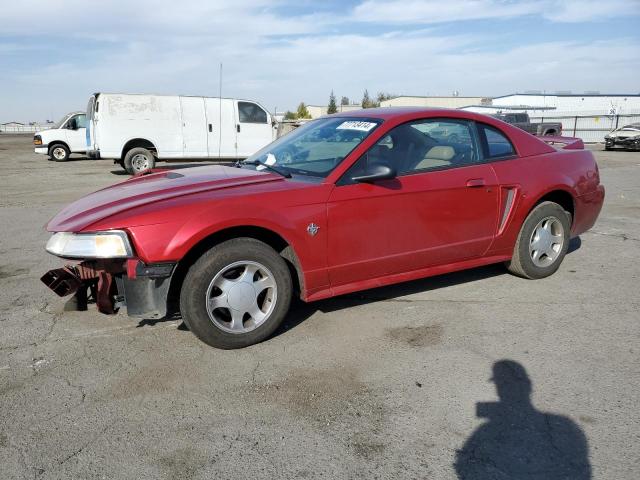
590, 128
22, 128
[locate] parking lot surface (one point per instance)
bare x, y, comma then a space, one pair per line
476, 374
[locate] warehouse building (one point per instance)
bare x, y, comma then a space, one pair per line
563, 103
452, 101
319, 110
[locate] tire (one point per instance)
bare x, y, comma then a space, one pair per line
138, 160
549, 217
226, 276
59, 152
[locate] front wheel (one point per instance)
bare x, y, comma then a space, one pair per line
59, 153
542, 243
138, 160
236, 294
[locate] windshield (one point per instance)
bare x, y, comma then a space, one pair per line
316, 148
59, 123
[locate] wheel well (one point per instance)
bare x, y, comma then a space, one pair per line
562, 198
267, 236
551, 131
58, 142
138, 142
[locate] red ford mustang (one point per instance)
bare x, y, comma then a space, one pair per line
346, 202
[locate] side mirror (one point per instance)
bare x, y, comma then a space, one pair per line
374, 173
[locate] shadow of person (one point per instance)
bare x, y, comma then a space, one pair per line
518, 441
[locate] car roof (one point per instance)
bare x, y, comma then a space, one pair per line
403, 114
386, 113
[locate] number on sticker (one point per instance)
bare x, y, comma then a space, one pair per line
355, 125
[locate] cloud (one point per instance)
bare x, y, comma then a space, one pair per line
281, 58
436, 11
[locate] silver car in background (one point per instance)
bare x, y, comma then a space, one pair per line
627, 137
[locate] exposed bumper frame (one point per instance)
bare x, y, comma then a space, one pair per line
142, 288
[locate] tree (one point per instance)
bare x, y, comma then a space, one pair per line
366, 100
302, 111
383, 96
290, 115
332, 108
344, 101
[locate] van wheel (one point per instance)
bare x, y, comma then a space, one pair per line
543, 242
138, 160
236, 294
59, 152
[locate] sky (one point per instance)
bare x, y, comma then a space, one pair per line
55, 54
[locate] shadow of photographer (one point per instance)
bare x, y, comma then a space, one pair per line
518, 441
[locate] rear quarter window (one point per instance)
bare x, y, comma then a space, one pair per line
495, 143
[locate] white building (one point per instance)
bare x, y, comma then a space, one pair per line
319, 110
588, 115
562, 104
453, 101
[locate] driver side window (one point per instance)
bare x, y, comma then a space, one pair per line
420, 146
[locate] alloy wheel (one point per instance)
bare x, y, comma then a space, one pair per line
241, 297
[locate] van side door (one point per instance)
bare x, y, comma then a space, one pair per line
221, 127
253, 127
194, 128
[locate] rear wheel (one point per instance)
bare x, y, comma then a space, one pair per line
59, 152
236, 294
138, 160
542, 243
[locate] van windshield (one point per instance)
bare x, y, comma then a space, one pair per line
316, 148
59, 123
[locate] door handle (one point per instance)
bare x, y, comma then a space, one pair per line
210, 128
238, 128
476, 182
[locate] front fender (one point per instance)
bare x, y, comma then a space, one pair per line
173, 241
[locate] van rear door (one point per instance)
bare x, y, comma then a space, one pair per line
254, 129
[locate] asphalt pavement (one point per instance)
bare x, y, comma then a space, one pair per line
472, 375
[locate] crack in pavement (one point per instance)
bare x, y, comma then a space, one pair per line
623, 236
77, 452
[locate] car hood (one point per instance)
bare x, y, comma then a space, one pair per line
49, 131
627, 132
152, 187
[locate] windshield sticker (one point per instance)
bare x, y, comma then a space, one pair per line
353, 125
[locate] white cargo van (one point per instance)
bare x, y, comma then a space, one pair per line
137, 130
65, 137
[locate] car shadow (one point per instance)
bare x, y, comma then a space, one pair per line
301, 311
574, 245
519, 441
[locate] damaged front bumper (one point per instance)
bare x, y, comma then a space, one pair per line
623, 142
111, 284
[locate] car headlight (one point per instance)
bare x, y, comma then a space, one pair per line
37, 140
109, 244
